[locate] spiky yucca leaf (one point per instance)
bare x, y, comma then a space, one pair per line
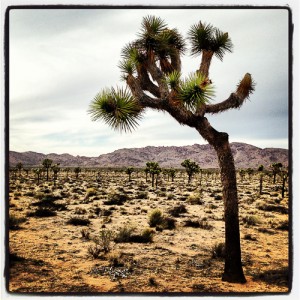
200, 36
152, 25
195, 91
245, 87
127, 67
117, 108
221, 43
173, 80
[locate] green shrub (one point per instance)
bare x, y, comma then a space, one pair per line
251, 220
124, 234
116, 199
155, 218
195, 198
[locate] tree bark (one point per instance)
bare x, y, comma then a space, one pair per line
233, 271
233, 264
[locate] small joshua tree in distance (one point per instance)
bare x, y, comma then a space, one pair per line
129, 171
191, 168
47, 164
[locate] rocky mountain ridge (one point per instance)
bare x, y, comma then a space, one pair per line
245, 156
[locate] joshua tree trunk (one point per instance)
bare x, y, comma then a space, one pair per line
260, 183
233, 271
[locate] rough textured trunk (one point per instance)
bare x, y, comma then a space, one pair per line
260, 184
233, 271
205, 63
233, 266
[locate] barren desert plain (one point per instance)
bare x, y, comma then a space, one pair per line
102, 233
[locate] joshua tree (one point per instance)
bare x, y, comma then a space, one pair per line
172, 173
284, 175
47, 164
276, 168
191, 168
55, 169
242, 174
19, 167
261, 175
38, 173
129, 171
77, 170
151, 68
153, 168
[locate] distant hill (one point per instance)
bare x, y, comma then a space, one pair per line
245, 156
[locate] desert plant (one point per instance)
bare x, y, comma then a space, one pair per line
155, 218
156, 54
19, 167
191, 168
218, 251
124, 234
14, 221
42, 212
104, 240
276, 168
261, 175
85, 233
77, 170
47, 164
129, 171
195, 198
251, 220
78, 221
177, 210
116, 199
153, 168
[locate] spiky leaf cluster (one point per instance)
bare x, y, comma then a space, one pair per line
195, 91
118, 109
206, 37
191, 167
156, 42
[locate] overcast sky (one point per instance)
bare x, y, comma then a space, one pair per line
60, 59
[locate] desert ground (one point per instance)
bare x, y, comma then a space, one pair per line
92, 234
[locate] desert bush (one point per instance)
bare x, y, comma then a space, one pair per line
203, 223
115, 260
104, 240
142, 195
251, 220
78, 221
94, 251
14, 222
218, 250
167, 223
29, 194
177, 210
195, 198
90, 192
80, 211
116, 199
42, 212
191, 223
249, 237
270, 207
155, 218
85, 233
124, 234
284, 225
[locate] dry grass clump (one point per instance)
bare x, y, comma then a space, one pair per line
218, 250
126, 235
15, 221
177, 210
78, 221
195, 198
42, 212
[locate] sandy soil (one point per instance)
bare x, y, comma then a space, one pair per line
49, 255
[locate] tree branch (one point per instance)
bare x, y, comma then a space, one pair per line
235, 100
147, 84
